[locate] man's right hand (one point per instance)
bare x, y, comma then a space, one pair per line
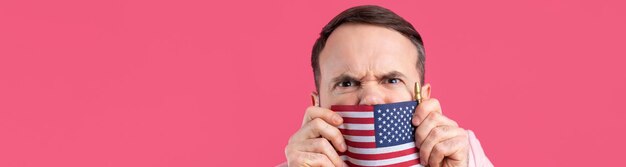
317, 141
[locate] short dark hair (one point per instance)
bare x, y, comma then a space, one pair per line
373, 15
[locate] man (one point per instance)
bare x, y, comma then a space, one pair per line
368, 55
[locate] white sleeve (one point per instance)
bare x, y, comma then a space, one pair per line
477, 157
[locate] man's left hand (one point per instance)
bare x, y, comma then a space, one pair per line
440, 140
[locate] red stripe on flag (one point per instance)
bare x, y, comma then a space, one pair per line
361, 144
357, 132
382, 156
358, 120
358, 108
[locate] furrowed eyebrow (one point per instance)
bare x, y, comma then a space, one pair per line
347, 77
393, 74
344, 77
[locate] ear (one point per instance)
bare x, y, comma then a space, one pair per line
426, 91
315, 99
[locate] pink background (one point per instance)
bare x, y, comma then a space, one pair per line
197, 83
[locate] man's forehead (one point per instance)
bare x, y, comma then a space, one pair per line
357, 49
364, 38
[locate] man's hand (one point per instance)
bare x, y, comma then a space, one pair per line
440, 140
311, 145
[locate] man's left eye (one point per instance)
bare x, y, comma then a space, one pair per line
393, 80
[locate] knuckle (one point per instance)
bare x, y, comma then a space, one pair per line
310, 108
302, 133
434, 116
321, 143
310, 111
318, 123
335, 132
293, 138
439, 148
438, 132
337, 139
454, 123
334, 135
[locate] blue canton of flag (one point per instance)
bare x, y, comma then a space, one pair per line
393, 123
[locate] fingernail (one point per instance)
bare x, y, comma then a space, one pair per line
415, 121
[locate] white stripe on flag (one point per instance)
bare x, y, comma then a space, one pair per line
360, 138
383, 162
351, 114
356, 126
382, 150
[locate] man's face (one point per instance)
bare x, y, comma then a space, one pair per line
367, 65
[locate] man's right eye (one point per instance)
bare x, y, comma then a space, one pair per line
346, 84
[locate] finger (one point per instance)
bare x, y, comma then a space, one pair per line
433, 120
321, 145
424, 109
455, 150
327, 115
308, 159
437, 135
318, 127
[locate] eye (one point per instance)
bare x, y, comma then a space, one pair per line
346, 84
393, 81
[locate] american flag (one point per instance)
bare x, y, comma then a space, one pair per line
379, 135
